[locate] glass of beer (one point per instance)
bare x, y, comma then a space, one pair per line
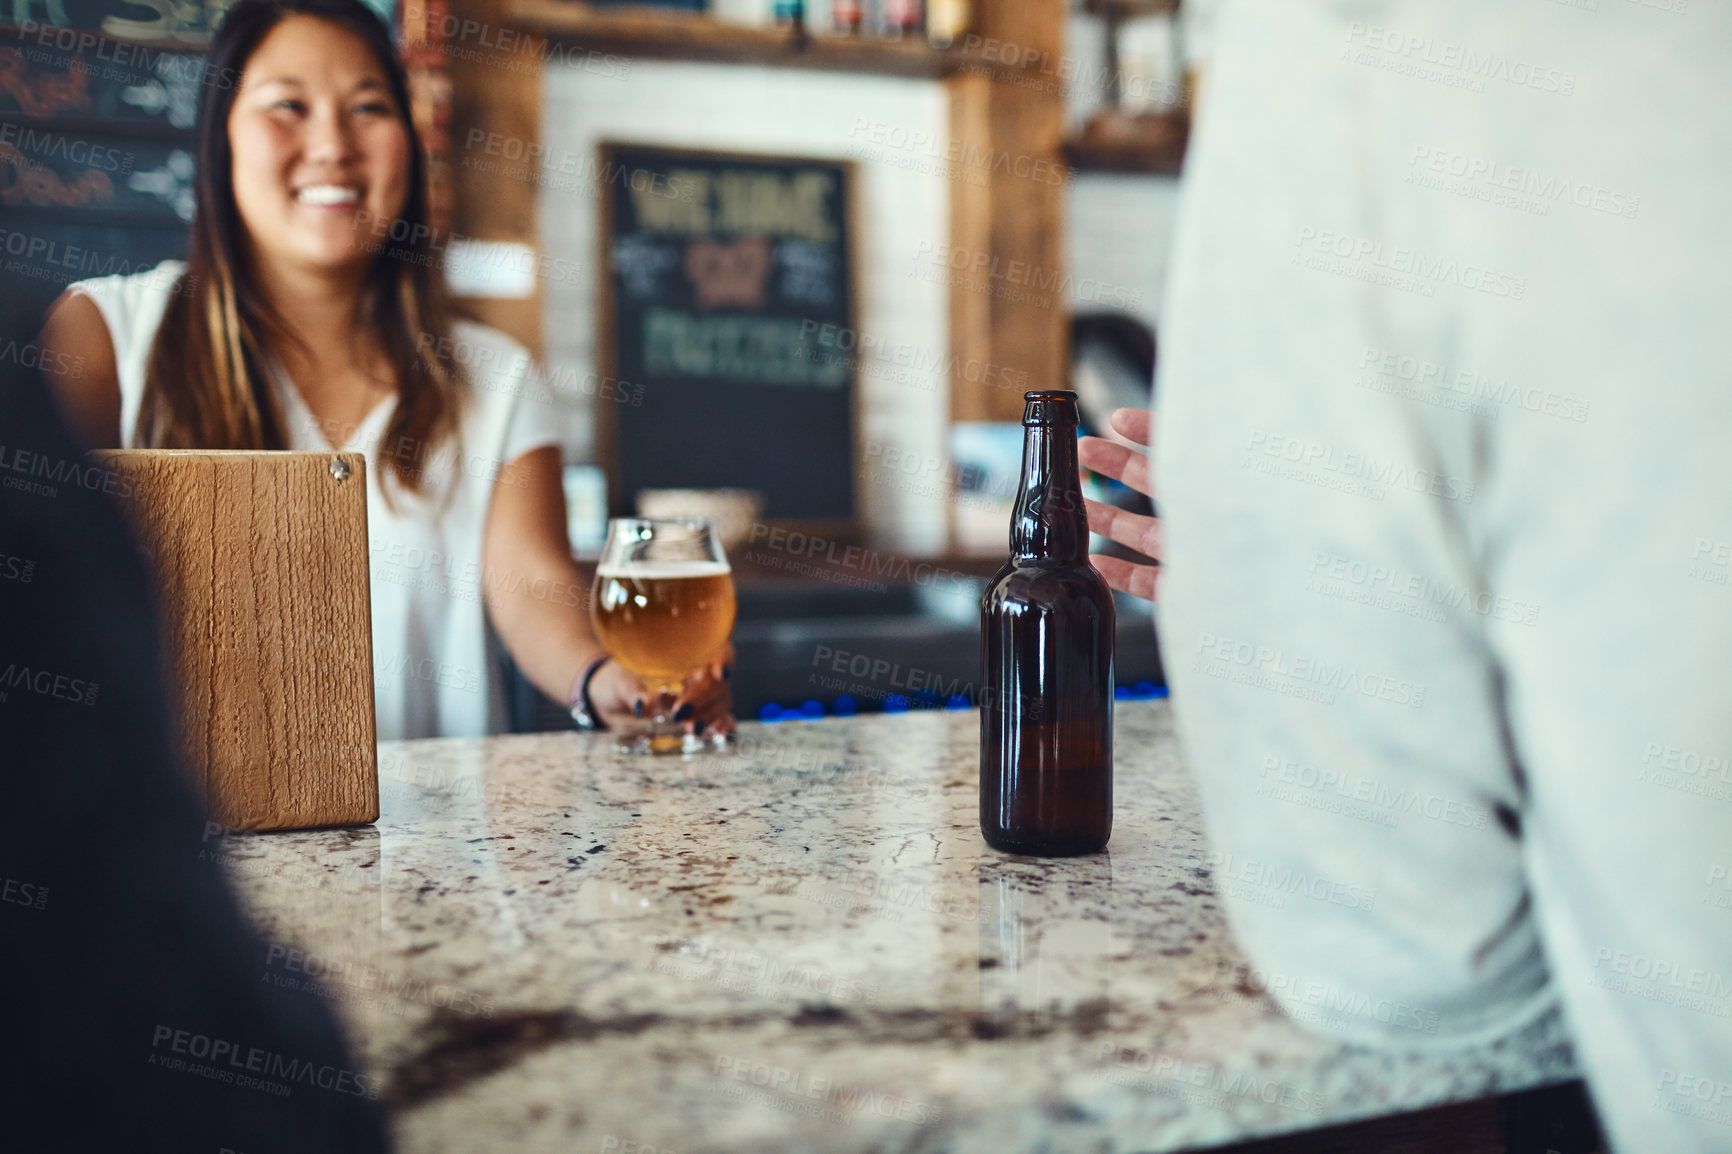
663, 607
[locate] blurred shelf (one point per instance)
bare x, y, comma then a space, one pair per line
1130, 8
1149, 144
75, 125
675, 34
186, 43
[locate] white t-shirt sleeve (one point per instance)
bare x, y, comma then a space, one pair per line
514, 392
534, 424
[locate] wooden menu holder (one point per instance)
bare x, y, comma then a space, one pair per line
261, 564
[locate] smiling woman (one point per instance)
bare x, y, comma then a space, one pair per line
311, 314
317, 141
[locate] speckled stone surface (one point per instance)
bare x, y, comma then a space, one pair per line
802, 945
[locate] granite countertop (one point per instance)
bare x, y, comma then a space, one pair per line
801, 945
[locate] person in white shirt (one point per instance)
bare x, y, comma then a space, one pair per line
1446, 588
310, 315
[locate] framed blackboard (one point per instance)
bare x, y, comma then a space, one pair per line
727, 302
96, 146
98, 103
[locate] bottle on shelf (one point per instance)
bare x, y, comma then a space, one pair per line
947, 21
895, 18
845, 16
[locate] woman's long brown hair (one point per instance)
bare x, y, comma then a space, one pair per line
205, 381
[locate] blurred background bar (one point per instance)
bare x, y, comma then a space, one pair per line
812, 251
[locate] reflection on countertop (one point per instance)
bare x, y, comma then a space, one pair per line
801, 944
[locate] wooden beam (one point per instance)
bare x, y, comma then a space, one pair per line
970, 96
496, 98
1020, 260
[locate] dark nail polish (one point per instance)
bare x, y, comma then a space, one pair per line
698, 728
684, 712
727, 673
638, 708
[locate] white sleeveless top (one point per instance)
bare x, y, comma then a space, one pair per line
434, 665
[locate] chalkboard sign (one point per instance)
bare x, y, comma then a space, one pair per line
98, 102
728, 302
96, 146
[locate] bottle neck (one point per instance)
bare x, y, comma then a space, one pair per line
1050, 522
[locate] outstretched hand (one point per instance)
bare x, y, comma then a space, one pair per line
1143, 534
705, 708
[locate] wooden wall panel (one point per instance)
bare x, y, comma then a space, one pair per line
495, 72
971, 327
1025, 289
1030, 305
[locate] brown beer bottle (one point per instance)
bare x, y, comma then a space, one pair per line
1046, 645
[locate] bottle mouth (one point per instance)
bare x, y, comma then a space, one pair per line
1049, 407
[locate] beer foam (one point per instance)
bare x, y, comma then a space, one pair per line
662, 570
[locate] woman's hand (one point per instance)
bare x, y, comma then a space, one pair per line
705, 708
535, 597
1141, 533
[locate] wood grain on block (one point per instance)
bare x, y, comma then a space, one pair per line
261, 561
